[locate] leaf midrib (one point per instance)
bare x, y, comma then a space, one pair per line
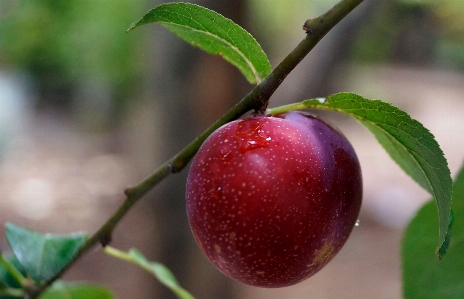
235, 48
410, 151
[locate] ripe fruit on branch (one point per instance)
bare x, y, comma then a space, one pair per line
271, 200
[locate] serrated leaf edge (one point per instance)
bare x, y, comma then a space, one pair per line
257, 75
324, 104
46, 237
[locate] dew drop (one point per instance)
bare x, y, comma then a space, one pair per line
357, 223
251, 135
225, 155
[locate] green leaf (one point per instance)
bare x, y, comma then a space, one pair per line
423, 276
60, 290
9, 285
407, 141
161, 272
10, 293
6, 276
42, 255
212, 33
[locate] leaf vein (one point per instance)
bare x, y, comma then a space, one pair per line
232, 46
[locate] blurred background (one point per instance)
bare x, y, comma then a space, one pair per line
87, 110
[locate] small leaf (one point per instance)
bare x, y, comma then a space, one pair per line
423, 276
42, 255
8, 283
10, 293
407, 141
212, 33
161, 272
60, 290
12, 277
6, 276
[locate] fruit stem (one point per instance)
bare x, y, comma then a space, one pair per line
256, 100
286, 108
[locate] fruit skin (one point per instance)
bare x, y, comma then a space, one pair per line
271, 200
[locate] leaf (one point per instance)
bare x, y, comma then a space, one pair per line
60, 290
9, 293
408, 142
8, 283
161, 272
42, 255
5, 276
212, 33
423, 276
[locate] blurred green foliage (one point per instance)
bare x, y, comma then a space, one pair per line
421, 32
70, 40
277, 24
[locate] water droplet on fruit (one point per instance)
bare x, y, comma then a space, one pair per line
250, 134
357, 223
225, 155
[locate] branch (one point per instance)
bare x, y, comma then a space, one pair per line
257, 99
